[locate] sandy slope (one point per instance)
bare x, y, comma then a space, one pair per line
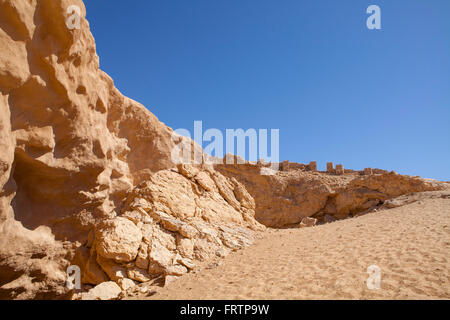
411, 245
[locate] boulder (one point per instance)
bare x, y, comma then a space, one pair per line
176, 270
160, 259
105, 291
205, 181
126, 284
118, 239
138, 274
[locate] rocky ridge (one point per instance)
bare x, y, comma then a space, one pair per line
169, 225
87, 177
74, 151
285, 197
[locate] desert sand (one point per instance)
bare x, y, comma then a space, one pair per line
411, 245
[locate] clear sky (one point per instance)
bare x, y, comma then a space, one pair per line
336, 90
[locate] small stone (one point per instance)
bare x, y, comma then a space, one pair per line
176, 270
105, 291
138, 274
307, 222
143, 289
126, 283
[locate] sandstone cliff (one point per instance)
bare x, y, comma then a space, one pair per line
284, 198
86, 176
72, 149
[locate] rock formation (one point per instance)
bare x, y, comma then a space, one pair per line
87, 177
73, 148
285, 198
168, 225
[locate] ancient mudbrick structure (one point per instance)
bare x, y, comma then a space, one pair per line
330, 167
312, 166
285, 165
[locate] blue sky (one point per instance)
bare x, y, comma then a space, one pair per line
336, 90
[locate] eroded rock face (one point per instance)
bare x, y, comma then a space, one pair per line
286, 197
87, 177
173, 223
69, 130
73, 150
66, 140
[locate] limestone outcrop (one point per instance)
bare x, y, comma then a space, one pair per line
87, 176
72, 148
286, 197
169, 225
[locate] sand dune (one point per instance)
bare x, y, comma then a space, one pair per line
411, 245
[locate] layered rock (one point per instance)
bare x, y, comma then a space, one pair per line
72, 148
87, 176
284, 198
169, 225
